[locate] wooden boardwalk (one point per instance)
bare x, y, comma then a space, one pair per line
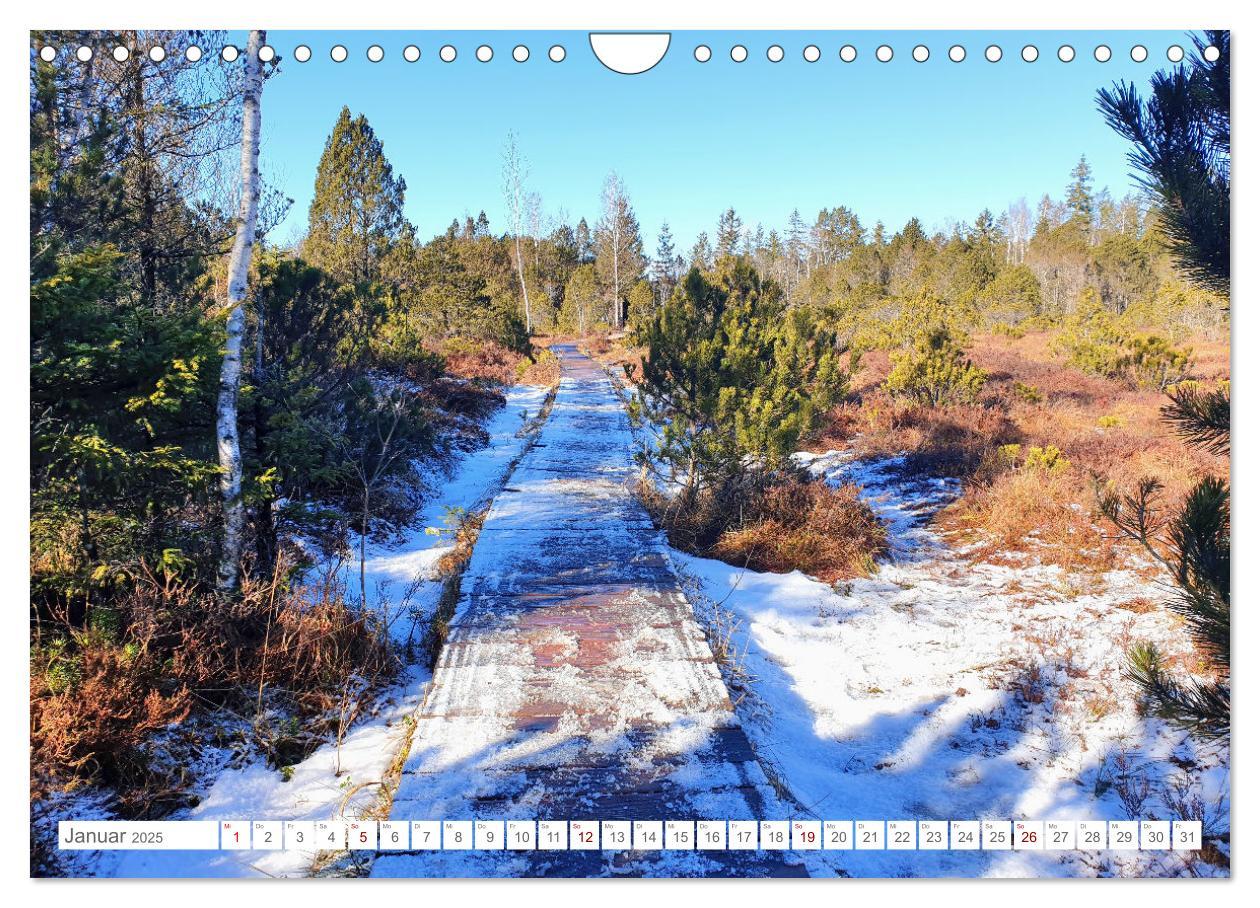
577, 683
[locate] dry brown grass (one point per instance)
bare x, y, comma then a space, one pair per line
486, 362
826, 532
98, 695
479, 360
775, 524
543, 371
1102, 427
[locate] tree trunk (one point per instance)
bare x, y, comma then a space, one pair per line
227, 430
520, 273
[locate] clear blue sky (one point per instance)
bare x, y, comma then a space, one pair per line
939, 140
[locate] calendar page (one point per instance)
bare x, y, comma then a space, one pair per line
615, 454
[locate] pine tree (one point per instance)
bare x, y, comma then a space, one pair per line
733, 375
798, 242
1181, 138
357, 211
585, 247
729, 230
664, 274
1079, 197
702, 253
1181, 151
581, 300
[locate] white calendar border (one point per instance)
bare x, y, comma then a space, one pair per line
642, 14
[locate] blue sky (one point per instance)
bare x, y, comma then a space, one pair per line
939, 140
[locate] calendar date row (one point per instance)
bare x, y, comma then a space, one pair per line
633, 835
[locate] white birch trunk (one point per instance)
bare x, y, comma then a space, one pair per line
514, 192
227, 423
520, 273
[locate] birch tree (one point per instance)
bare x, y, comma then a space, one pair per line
618, 246
1019, 225
227, 432
515, 171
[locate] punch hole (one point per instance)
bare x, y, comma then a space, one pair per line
266, 53
1102, 53
485, 53
230, 53
920, 53
121, 53
1030, 53
48, 53
84, 53
848, 53
1211, 53
739, 53
302, 53
520, 53
193, 53
883, 53
629, 53
703, 54
812, 54
411, 53
338, 53
1138, 53
993, 53
1067, 53
376, 53
774, 53
1176, 54
958, 53
556, 53
447, 53
157, 54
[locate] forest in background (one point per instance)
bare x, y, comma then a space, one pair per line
1028, 352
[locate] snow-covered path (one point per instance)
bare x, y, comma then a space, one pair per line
576, 683
943, 687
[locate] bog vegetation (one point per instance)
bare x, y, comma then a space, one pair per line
1028, 352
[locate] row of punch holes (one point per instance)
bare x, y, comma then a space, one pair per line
775, 53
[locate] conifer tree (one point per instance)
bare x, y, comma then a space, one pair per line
1181, 139
664, 268
702, 253
585, 246
357, 211
1181, 150
1079, 197
729, 230
733, 375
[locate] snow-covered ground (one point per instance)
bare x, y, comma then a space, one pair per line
939, 688
344, 782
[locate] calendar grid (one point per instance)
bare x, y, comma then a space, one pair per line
633, 835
